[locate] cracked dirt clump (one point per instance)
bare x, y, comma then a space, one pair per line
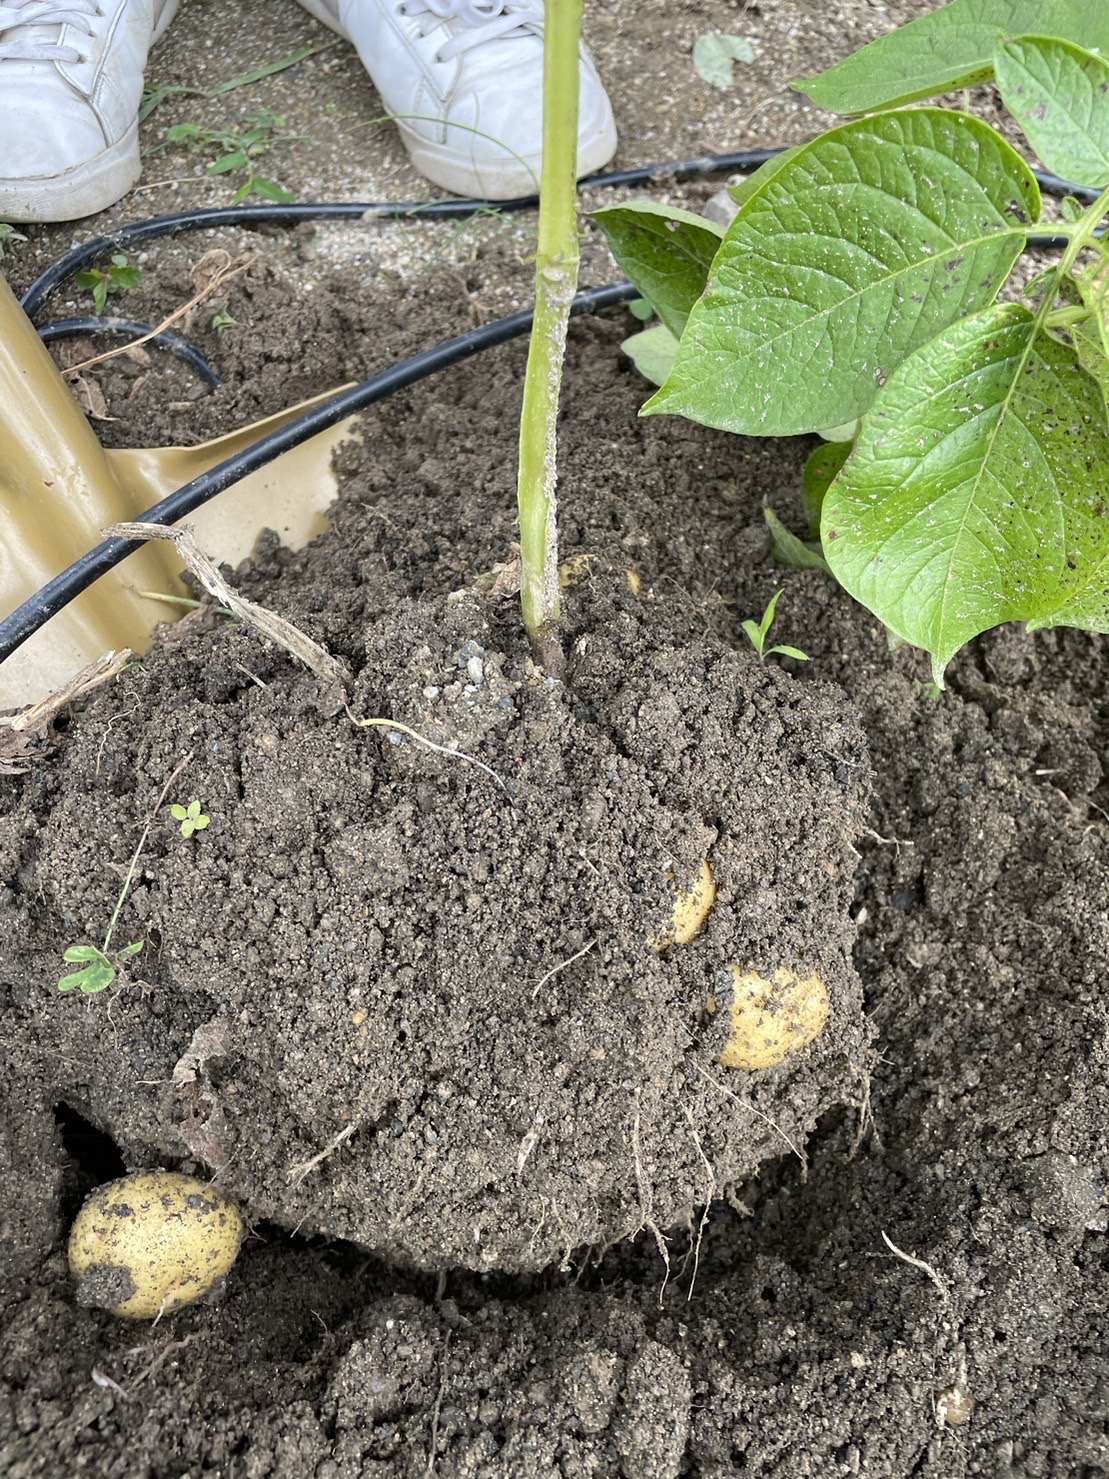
462, 970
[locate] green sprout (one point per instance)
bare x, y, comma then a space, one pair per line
224, 320
117, 279
9, 237
100, 964
191, 817
239, 151
99, 970
757, 635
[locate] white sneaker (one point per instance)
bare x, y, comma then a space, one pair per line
464, 81
70, 88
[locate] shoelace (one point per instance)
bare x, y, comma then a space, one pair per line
23, 15
482, 20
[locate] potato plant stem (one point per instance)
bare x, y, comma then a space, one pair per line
556, 276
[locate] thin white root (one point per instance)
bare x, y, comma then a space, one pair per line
431, 745
710, 1193
646, 1201
756, 1112
554, 970
296, 1174
925, 1268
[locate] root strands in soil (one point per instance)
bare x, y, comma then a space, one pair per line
297, 1174
561, 966
404, 729
267, 623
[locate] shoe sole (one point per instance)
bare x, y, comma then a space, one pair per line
86, 188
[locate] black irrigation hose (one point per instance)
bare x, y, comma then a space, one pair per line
130, 328
58, 592
63, 588
294, 215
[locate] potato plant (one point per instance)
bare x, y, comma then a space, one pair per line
856, 294
556, 280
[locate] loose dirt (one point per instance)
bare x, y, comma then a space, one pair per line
509, 1217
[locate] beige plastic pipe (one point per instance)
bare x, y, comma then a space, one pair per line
59, 488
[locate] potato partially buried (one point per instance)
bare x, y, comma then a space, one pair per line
692, 907
152, 1242
771, 1020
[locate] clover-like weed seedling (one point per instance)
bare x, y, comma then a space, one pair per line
856, 295
100, 964
757, 635
116, 279
99, 969
191, 817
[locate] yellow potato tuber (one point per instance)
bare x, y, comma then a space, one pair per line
691, 909
773, 1020
152, 1242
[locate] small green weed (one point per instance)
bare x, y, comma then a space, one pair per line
154, 97
715, 56
100, 964
9, 237
757, 635
117, 279
223, 320
99, 970
191, 817
240, 152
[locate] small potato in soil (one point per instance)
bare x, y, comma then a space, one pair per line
692, 907
152, 1242
772, 1020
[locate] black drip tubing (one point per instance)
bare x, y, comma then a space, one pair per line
436, 210
130, 328
63, 588
294, 215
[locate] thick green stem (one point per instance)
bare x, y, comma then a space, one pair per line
556, 277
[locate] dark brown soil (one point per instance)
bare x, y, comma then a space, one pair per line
549, 1234
364, 920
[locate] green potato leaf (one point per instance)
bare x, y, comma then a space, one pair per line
742, 192
977, 491
950, 48
867, 243
1093, 287
821, 469
1089, 289
665, 251
788, 549
1091, 354
1057, 92
652, 351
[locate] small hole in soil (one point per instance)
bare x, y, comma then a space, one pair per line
94, 1155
